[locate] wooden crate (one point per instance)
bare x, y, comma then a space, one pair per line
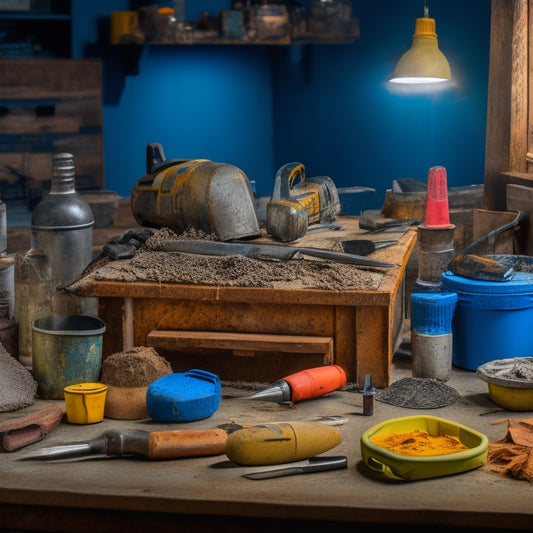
49, 106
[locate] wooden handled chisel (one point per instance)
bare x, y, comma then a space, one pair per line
154, 445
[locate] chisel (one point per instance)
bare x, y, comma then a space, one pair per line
154, 445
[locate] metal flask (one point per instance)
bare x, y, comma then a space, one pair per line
61, 247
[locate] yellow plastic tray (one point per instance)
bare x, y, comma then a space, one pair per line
402, 467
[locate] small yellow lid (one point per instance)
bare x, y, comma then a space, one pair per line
86, 388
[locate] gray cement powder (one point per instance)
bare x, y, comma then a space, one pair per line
17, 386
516, 368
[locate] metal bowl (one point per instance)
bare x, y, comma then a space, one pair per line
507, 388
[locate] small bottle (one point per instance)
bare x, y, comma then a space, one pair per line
62, 224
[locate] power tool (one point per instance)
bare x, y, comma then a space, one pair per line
297, 202
180, 194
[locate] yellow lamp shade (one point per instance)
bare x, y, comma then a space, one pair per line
423, 62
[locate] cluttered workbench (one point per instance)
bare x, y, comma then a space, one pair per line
252, 333
205, 493
111, 494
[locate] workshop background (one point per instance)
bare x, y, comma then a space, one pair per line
327, 106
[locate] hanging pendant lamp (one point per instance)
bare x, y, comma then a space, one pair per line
423, 62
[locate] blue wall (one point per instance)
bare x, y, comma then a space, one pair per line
326, 106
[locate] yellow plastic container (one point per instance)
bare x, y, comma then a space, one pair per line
85, 402
511, 398
402, 467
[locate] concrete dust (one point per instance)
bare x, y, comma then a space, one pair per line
138, 367
150, 264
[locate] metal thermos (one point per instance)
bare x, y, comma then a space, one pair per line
61, 247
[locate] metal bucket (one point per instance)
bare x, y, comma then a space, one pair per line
67, 349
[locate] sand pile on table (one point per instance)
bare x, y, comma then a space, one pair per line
150, 264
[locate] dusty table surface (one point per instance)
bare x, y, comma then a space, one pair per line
210, 492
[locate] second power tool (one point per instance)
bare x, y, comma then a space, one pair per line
297, 202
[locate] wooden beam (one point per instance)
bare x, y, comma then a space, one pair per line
507, 111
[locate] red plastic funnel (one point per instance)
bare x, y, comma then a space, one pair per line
437, 212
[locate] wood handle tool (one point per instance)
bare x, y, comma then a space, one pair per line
154, 445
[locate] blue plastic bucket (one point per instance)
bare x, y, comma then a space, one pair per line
492, 319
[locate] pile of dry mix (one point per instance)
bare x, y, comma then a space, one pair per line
151, 264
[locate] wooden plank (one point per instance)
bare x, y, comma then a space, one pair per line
520, 198
241, 342
50, 105
507, 111
49, 78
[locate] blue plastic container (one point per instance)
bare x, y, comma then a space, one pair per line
492, 319
183, 397
432, 312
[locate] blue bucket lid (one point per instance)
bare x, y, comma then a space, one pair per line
183, 397
521, 283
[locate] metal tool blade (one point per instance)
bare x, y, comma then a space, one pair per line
69, 451
266, 250
314, 464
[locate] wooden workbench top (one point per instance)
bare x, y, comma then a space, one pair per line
210, 494
382, 282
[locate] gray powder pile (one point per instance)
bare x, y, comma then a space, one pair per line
418, 393
516, 368
151, 264
17, 386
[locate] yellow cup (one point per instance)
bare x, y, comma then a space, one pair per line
85, 402
122, 22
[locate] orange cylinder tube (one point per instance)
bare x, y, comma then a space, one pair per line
315, 382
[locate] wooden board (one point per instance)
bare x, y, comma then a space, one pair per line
49, 106
520, 198
243, 344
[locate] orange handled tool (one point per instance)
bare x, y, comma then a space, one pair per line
154, 445
304, 385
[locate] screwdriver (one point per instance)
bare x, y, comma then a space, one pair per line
304, 385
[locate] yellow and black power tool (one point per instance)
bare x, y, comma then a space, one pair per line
181, 194
298, 201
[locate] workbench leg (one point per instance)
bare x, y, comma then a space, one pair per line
374, 345
345, 341
128, 327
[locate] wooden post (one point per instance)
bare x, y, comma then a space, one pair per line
508, 110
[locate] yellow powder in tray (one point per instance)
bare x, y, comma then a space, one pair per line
419, 443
